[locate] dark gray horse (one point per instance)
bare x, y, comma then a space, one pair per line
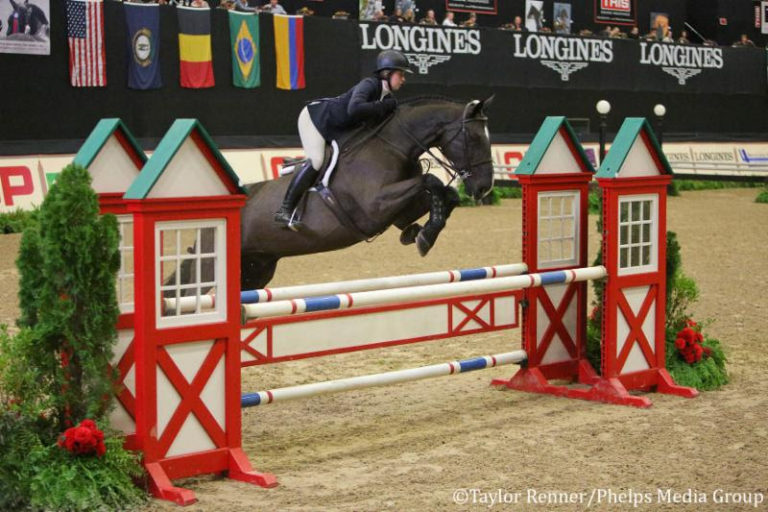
378, 182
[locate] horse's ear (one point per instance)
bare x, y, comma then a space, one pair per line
477, 107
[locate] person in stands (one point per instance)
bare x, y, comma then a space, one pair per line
370, 101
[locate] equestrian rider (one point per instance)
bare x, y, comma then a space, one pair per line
370, 101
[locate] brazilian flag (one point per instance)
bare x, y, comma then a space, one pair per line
244, 38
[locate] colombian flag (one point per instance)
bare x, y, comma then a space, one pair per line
289, 51
195, 47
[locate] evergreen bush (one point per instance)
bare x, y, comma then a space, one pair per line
55, 371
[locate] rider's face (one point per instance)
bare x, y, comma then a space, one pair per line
396, 80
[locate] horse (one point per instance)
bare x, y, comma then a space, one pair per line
377, 182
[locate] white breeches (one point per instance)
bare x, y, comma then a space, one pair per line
311, 140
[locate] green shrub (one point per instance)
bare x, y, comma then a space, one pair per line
55, 371
708, 373
17, 221
684, 185
762, 197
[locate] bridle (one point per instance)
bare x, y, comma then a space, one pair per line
461, 171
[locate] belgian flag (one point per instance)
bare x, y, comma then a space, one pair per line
195, 47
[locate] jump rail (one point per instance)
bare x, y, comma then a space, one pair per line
358, 285
382, 379
395, 295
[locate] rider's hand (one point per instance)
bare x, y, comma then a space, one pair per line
389, 103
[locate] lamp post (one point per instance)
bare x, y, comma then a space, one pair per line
659, 111
603, 108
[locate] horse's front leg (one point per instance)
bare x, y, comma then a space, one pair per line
439, 200
443, 200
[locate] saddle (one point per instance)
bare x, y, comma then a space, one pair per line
347, 143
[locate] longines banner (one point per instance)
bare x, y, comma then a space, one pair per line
457, 56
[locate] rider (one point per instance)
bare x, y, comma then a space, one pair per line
371, 100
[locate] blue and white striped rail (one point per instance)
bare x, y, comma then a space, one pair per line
381, 379
189, 304
416, 293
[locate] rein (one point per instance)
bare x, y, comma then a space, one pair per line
454, 171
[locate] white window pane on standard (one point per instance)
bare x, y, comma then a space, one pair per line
635, 235
635, 259
568, 224
624, 212
208, 241
623, 233
568, 205
188, 241
646, 210
646, 255
126, 234
623, 257
556, 206
544, 252
646, 233
568, 253
126, 261
636, 214
167, 271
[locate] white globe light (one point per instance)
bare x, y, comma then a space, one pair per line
603, 107
659, 110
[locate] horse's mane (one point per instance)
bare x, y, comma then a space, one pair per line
417, 100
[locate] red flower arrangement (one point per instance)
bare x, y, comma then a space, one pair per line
689, 341
84, 439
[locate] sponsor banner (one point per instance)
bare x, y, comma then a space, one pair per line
25, 27
22, 183
25, 180
534, 15
764, 17
457, 56
478, 6
619, 12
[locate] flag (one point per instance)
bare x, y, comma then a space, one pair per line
244, 39
195, 47
143, 22
85, 34
289, 51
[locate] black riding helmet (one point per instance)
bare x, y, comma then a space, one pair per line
392, 59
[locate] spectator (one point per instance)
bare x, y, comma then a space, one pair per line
606, 32
470, 22
683, 39
273, 7
397, 16
379, 16
305, 11
429, 19
448, 20
517, 25
634, 33
409, 17
744, 41
240, 6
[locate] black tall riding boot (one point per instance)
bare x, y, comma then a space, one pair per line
300, 183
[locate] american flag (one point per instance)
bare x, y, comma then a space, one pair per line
85, 33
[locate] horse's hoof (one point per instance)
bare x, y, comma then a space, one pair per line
422, 244
409, 233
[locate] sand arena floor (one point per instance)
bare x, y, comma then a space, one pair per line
412, 446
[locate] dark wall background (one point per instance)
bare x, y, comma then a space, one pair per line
40, 112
